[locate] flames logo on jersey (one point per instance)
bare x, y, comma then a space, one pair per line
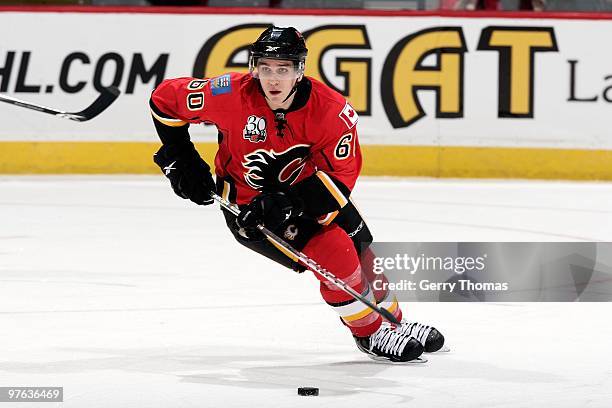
267, 168
291, 232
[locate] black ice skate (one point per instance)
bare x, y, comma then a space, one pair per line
389, 344
431, 339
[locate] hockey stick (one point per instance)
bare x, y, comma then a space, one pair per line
103, 101
310, 263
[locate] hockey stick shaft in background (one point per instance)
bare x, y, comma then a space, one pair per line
310, 263
103, 101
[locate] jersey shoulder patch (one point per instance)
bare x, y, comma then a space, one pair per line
332, 105
221, 85
349, 116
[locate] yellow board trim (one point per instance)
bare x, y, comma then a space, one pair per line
428, 161
84, 157
488, 162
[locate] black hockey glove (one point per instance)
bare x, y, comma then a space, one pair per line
270, 209
189, 174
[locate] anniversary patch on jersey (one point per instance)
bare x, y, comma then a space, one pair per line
349, 116
267, 168
221, 85
255, 129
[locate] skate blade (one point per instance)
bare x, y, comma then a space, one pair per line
382, 360
444, 349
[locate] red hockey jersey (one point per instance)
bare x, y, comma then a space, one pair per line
260, 148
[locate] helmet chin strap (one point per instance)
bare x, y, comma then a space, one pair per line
292, 90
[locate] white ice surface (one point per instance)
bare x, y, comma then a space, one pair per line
127, 296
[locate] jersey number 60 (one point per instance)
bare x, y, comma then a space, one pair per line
195, 100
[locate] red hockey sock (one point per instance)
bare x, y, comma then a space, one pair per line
333, 249
384, 297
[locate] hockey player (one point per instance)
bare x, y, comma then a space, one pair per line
289, 157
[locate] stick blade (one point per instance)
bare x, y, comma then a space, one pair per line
103, 101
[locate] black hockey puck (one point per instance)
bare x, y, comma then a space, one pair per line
308, 391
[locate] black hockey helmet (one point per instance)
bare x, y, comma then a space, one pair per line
284, 43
